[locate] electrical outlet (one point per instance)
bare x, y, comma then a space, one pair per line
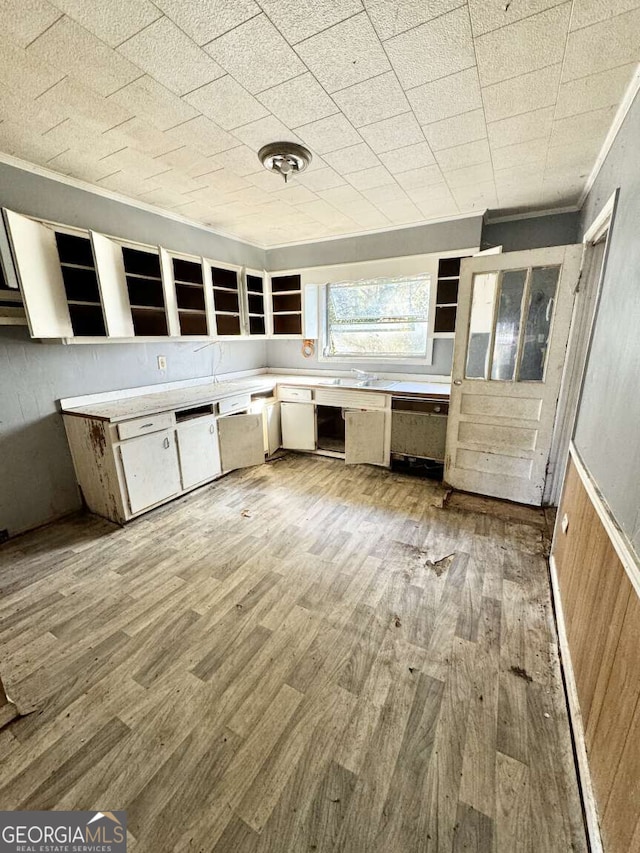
162, 362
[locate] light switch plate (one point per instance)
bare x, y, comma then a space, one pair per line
162, 362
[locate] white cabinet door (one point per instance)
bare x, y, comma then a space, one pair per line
113, 286
298, 426
199, 451
241, 441
273, 428
38, 265
365, 438
151, 471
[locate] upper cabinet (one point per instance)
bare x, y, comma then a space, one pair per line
82, 286
286, 305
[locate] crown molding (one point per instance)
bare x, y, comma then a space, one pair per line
532, 214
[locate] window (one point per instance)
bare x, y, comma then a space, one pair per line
381, 318
511, 314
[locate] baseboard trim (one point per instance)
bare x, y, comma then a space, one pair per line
575, 719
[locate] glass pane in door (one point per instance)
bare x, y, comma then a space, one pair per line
480, 326
505, 346
544, 281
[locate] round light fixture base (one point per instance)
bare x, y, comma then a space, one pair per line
285, 158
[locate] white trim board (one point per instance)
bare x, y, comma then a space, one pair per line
625, 105
623, 547
587, 794
126, 393
436, 379
532, 214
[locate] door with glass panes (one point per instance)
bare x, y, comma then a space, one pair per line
514, 314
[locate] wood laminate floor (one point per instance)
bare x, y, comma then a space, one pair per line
284, 662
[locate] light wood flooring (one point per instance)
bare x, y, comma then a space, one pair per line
284, 662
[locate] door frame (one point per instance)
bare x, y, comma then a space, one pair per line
585, 309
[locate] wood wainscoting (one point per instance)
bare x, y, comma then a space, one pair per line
601, 613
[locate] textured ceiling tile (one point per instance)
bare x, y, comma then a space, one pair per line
268, 129
378, 176
402, 212
526, 46
583, 127
431, 196
68, 98
477, 196
427, 176
322, 179
299, 19
256, 55
163, 197
438, 208
132, 160
295, 194
320, 210
183, 159
467, 154
203, 135
329, 134
391, 133
407, 158
141, 134
298, 101
521, 154
345, 54
68, 46
74, 134
18, 138
478, 173
352, 159
373, 100
124, 182
24, 73
227, 103
188, 68
204, 20
241, 160
593, 92
147, 98
456, 130
392, 17
32, 113
601, 46
224, 181
572, 159
383, 196
587, 12
522, 94
79, 165
451, 96
342, 197
521, 128
487, 16
368, 215
25, 20
266, 181
112, 21
433, 50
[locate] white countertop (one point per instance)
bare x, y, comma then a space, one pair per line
182, 398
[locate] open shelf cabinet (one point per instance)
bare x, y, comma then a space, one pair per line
286, 305
255, 307
447, 296
227, 301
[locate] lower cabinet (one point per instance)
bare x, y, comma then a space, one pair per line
241, 441
198, 450
151, 470
365, 438
298, 421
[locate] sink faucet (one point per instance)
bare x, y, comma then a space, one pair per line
363, 376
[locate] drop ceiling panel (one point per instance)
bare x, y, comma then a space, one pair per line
256, 55
412, 111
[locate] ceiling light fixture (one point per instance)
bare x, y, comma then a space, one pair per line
285, 158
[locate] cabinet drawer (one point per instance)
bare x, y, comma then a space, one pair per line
234, 404
346, 399
142, 426
303, 394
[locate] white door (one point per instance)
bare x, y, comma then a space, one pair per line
298, 426
198, 450
365, 438
514, 314
241, 441
38, 265
151, 472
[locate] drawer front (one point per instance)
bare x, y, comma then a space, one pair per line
234, 404
142, 426
292, 394
345, 399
